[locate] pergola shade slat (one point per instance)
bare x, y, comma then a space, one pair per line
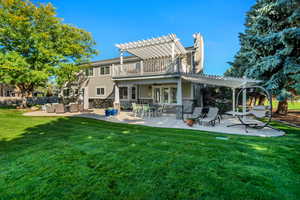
224, 81
154, 48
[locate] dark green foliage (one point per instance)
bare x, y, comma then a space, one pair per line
270, 47
76, 158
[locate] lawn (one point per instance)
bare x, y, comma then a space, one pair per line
292, 105
76, 158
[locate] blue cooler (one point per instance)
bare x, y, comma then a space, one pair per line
107, 113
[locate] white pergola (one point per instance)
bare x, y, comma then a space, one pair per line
231, 82
164, 46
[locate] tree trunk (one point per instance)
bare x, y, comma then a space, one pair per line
282, 107
261, 100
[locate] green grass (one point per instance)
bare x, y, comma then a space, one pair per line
291, 105
76, 158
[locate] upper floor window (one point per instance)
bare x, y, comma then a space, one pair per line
104, 70
89, 72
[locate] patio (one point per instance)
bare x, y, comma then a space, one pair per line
168, 121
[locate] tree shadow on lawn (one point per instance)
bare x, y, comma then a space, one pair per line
133, 159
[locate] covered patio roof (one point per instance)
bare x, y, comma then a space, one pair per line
168, 45
224, 81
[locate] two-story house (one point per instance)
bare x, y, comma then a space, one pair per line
159, 71
150, 75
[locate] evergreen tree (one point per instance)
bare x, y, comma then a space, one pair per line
270, 48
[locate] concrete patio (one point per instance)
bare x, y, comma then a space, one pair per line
168, 121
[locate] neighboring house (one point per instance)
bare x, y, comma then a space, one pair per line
8, 91
160, 71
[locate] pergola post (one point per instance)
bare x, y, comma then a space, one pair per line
117, 97
121, 60
142, 67
233, 101
173, 55
179, 99
244, 100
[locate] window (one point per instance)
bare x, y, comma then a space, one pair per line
133, 93
165, 95
157, 95
89, 72
123, 92
104, 70
173, 95
100, 91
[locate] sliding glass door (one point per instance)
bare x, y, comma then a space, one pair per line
165, 94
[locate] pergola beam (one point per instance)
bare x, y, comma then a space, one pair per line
164, 46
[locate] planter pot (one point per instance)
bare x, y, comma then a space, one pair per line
190, 122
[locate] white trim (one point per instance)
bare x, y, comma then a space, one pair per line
147, 77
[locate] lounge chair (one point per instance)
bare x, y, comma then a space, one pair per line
59, 108
211, 117
197, 114
74, 107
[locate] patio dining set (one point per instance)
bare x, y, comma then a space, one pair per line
147, 110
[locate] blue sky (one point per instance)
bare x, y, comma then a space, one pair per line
116, 21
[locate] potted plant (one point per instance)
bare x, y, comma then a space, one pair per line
190, 121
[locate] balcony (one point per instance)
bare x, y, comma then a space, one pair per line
148, 67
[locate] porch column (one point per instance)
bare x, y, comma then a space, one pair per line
117, 97
233, 100
179, 100
244, 100
86, 99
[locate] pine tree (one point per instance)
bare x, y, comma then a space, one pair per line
270, 48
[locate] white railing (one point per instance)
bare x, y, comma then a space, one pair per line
148, 67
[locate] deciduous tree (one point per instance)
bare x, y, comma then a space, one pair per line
35, 44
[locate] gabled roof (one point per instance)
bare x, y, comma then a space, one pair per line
224, 81
155, 47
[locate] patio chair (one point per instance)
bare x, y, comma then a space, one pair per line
59, 108
146, 111
160, 110
136, 109
50, 108
211, 117
74, 107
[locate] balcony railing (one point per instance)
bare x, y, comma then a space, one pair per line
148, 67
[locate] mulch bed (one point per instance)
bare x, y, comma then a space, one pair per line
293, 117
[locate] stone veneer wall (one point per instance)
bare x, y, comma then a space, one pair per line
101, 103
